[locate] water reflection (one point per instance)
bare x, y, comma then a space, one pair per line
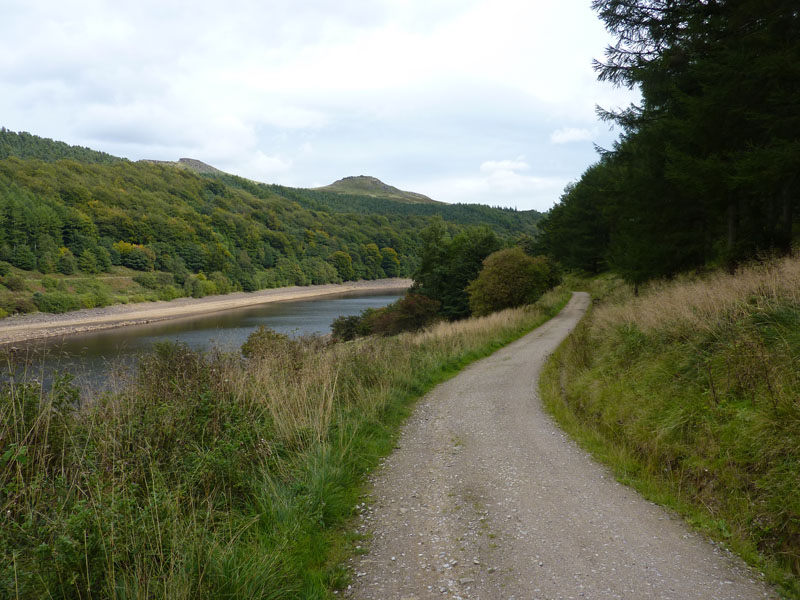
104, 360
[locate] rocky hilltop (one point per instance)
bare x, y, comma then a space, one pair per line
372, 186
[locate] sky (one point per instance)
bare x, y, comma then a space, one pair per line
476, 101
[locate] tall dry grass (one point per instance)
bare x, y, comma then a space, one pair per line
213, 475
692, 392
696, 304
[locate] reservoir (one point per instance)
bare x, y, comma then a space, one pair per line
103, 360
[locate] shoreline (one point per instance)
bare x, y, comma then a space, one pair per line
33, 326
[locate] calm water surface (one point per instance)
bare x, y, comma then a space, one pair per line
101, 360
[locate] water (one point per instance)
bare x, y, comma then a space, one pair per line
102, 360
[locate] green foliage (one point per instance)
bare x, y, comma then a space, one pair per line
347, 328
56, 302
705, 170
343, 263
210, 476
448, 264
509, 278
5, 268
25, 145
154, 280
14, 282
23, 258
691, 393
66, 263
264, 342
505, 221
87, 262
411, 313
68, 211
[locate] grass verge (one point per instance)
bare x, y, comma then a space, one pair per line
216, 475
691, 393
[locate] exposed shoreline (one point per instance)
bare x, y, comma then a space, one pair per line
34, 326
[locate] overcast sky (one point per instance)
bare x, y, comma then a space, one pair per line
489, 101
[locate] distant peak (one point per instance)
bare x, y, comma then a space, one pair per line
366, 185
192, 164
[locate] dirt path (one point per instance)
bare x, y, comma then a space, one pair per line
40, 325
486, 498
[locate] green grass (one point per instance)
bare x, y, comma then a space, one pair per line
691, 394
216, 475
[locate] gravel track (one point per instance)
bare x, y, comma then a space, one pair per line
486, 498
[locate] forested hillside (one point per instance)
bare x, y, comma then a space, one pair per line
25, 145
706, 169
69, 211
506, 221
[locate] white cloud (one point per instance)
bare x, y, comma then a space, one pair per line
566, 135
498, 183
494, 166
419, 91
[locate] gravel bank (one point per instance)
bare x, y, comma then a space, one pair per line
40, 325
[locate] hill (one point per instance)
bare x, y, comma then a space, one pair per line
70, 218
26, 145
374, 187
192, 164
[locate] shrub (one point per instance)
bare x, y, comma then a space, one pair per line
18, 303
197, 286
14, 282
154, 280
95, 299
265, 342
411, 313
509, 278
5, 268
349, 328
169, 292
56, 302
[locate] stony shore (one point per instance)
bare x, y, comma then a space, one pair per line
41, 325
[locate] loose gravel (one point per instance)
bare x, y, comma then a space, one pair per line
486, 498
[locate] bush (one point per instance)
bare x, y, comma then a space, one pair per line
169, 292
154, 280
411, 313
5, 268
95, 299
14, 282
509, 278
266, 342
349, 328
17, 303
197, 286
56, 302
